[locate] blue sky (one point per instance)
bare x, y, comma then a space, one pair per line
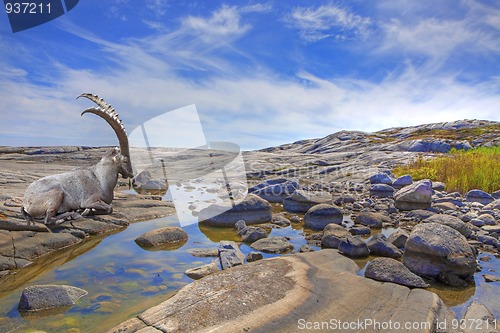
260, 73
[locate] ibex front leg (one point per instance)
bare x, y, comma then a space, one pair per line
97, 208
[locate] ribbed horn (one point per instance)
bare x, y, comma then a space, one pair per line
108, 113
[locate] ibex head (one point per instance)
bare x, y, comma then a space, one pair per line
107, 112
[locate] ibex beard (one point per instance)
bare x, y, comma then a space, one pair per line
89, 189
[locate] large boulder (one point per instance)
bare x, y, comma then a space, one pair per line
450, 221
301, 201
275, 190
415, 196
379, 246
46, 297
253, 210
168, 238
434, 249
391, 270
321, 215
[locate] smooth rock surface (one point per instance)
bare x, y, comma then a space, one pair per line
291, 294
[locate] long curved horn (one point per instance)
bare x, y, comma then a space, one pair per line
108, 113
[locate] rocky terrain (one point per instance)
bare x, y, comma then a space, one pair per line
340, 190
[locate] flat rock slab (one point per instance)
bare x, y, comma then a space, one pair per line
46, 297
284, 294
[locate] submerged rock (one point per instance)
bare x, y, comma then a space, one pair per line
391, 270
46, 297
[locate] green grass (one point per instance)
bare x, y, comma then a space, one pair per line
460, 170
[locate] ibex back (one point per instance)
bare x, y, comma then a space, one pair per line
89, 189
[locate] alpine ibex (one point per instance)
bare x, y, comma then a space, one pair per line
89, 189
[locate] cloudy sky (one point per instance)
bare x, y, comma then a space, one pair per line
259, 73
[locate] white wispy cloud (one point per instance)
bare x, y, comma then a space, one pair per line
327, 21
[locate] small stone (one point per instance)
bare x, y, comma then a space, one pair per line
372, 220
378, 245
240, 225
491, 278
398, 238
354, 247
306, 248
254, 256
252, 234
359, 230
333, 234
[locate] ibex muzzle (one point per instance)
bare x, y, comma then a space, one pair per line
89, 189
